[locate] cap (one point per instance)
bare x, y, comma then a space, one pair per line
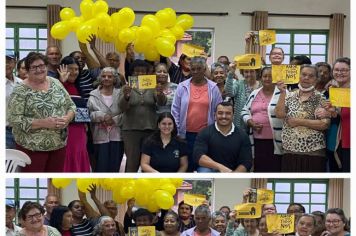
10, 54
10, 203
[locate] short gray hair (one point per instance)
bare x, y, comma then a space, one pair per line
112, 71
216, 214
198, 60
204, 209
98, 229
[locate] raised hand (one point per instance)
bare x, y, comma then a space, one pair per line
92, 40
63, 73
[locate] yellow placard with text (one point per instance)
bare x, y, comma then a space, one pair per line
146, 231
248, 210
266, 37
248, 61
192, 50
289, 74
339, 97
194, 199
281, 223
147, 81
265, 196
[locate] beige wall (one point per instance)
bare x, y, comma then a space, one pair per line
229, 30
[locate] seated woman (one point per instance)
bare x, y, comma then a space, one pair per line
163, 151
31, 215
302, 135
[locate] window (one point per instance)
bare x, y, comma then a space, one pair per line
312, 194
201, 37
22, 190
24, 38
313, 44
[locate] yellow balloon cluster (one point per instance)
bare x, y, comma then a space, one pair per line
155, 36
153, 194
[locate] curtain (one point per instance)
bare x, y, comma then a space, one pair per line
52, 18
51, 190
336, 37
259, 183
335, 193
259, 22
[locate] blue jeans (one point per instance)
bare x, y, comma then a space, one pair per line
10, 141
206, 170
190, 137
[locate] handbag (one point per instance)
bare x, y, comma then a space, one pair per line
82, 111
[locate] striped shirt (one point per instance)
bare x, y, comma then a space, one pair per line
176, 75
85, 81
83, 229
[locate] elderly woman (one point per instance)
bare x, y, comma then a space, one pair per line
163, 151
105, 227
335, 223
218, 75
31, 215
169, 88
325, 78
305, 225
170, 224
105, 116
194, 105
240, 90
139, 115
265, 129
62, 220
40, 112
219, 222
186, 219
303, 138
202, 217
249, 227
339, 133
276, 56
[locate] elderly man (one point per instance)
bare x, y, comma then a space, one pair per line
202, 217
51, 202
222, 147
54, 56
11, 228
11, 81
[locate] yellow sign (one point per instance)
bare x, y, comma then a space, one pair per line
194, 199
265, 196
248, 61
267, 37
146, 231
281, 223
192, 50
289, 74
248, 210
143, 81
339, 97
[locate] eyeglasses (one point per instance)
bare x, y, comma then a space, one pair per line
31, 217
34, 68
334, 222
342, 71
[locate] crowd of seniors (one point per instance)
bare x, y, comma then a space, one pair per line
80, 218
79, 115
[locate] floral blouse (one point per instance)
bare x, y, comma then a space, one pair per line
27, 105
302, 139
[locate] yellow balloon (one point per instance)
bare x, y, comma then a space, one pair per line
103, 19
139, 46
127, 192
177, 182
75, 22
170, 188
84, 183
166, 17
116, 196
125, 18
151, 54
163, 199
152, 22
120, 46
144, 34
185, 21
86, 7
83, 33
100, 6
60, 30
66, 13
61, 182
127, 35
164, 47
166, 33
152, 206
177, 31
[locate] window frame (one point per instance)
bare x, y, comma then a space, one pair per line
310, 32
292, 190
16, 37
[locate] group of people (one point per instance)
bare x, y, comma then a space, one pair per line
79, 218
71, 119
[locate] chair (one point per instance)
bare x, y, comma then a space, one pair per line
16, 159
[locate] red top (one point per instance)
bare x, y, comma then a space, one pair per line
198, 108
71, 89
66, 233
345, 127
